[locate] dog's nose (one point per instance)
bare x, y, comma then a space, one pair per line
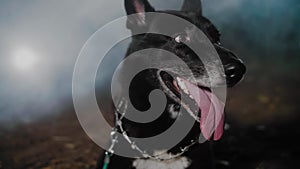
234, 72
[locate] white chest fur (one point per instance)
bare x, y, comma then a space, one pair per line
177, 163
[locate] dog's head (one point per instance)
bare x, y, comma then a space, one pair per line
199, 85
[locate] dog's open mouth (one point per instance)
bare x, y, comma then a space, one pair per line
195, 98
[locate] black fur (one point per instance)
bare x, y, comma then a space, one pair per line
146, 81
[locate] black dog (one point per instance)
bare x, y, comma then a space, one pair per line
146, 81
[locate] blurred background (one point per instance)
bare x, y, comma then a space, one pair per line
40, 42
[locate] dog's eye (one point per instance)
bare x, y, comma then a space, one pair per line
182, 38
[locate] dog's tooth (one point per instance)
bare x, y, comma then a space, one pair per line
191, 96
186, 91
180, 83
178, 80
182, 86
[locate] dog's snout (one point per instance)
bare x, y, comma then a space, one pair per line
234, 67
234, 72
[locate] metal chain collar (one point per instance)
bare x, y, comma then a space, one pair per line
114, 137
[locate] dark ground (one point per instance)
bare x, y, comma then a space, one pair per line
263, 133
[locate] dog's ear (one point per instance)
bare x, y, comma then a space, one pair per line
192, 6
138, 7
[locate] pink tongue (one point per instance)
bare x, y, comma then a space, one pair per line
212, 111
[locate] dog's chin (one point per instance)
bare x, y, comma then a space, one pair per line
198, 101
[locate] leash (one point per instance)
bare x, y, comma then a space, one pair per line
106, 160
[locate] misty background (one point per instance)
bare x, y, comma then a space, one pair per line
265, 34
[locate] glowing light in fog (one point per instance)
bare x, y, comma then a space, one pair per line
24, 59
